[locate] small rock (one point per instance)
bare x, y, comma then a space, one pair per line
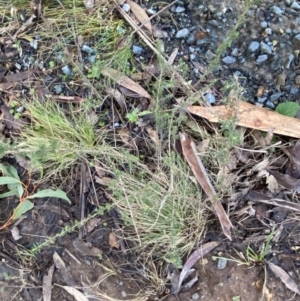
222, 262
288, 31
137, 50
179, 9
92, 58
295, 6
85, 48
268, 31
265, 48
281, 79
67, 70
288, 2
192, 56
195, 296
209, 55
58, 89
183, 33
270, 105
274, 97
34, 44
191, 38
261, 59
261, 99
151, 11
191, 49
123, 293
291, 58
277, 10
235, 52
297, 80
254, 46
126, 8
294, 90
228, 60
210, 98
296, 40
263, 24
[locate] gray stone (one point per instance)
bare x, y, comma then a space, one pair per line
288, 2
191, 49
270, 105
261, 59
295, 6
288, 31
268, 31
34, 44
126, 8
277, 10
296, 40
228, 60
151, 11
261, 99
192, 56
291, 58
137, 50
67, 70
195, 296
58, 89
263, 24
210, 98
294, 90
275, 96
179, 9
85, 48
265, 48
183, 33
92, 58
209, 55
191, 38
222, 262
235, 52
254, 46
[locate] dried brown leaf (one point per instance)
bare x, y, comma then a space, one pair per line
159, 33
172, 57
286, 180
294, 155
113, 241
86, 249
193, 258
195, 163
62, 269
284, 277
75, 293
140, 14
250, 116
125, 81
47, 284
115, 94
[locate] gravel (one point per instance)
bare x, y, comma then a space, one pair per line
265, 52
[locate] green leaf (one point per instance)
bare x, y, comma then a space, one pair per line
9, 180
4, 169
9, 193
13, 172
50, 193
288, 108
22, 208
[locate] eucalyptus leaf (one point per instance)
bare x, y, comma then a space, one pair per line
8, 194
9, 180
50, 193
22, 208
13, 172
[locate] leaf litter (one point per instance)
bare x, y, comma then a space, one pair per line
258, 170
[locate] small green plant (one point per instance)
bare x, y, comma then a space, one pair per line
135, 115
12, 180
288, 108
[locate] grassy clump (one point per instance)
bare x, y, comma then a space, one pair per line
161, 208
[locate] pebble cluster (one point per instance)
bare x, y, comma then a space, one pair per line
263, 54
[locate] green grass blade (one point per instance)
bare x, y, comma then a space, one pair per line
22, 208
50, 193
